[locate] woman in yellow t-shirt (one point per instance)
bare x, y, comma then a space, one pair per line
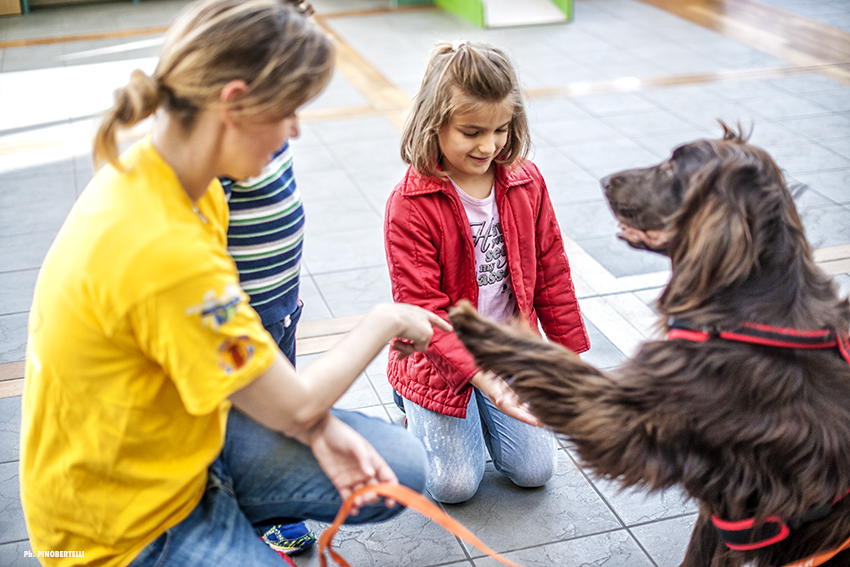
141, 340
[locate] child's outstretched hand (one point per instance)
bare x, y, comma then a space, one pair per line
416, 327
505, 399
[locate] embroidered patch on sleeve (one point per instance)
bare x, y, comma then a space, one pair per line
234, 353
216, 311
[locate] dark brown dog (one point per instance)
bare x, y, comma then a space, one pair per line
748, 430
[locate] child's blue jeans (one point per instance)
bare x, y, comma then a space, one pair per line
525, 454
283, 332
261, 476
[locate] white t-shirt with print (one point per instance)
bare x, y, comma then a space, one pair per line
495, 294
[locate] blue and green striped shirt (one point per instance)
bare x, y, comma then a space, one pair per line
265, 236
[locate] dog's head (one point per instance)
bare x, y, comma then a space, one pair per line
719, 208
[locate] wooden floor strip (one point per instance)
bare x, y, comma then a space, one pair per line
373, 12
836, 267
11, 379
794, 38
11, 370
312, 337
834, 260
629, 84
162, 29
82, 37
323, 114
832, 253
326, 327
11, 388
386, 98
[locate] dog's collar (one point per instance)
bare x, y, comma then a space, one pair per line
756, 333
742, 536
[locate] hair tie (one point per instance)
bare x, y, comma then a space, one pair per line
457, 44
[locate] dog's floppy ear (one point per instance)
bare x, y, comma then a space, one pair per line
713, 246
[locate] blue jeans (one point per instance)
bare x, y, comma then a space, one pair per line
525, 454
283, 332
263, 477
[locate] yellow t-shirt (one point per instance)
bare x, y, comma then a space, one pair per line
138, 333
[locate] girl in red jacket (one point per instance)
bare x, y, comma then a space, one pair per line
472, 220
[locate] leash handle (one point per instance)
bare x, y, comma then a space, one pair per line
411, 499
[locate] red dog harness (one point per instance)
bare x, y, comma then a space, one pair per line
758, 334
741, 535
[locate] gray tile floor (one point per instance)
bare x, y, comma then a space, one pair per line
50, 95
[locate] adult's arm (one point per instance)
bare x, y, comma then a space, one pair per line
294, 403
297, 404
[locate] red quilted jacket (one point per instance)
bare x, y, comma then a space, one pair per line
432, 264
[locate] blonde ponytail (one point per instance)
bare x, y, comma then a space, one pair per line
133, 103
281, 55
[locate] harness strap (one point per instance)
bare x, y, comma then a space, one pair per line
740, 535
756, 333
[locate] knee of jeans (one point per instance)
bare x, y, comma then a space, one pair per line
532, 475
453, 488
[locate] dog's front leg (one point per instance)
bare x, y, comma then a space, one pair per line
607, 423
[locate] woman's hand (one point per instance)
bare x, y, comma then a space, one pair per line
415, 328
349, 461
505, 399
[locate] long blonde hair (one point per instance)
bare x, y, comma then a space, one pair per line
281, 55
458, 77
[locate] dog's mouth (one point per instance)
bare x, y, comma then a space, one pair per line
633, 232
655, 240
637, 226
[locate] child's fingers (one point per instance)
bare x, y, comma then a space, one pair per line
529, 417
440, 323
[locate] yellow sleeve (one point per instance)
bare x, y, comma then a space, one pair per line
206, 337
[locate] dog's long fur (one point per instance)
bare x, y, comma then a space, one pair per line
746, 430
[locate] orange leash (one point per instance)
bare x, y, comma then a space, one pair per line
411, 499
822, 557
